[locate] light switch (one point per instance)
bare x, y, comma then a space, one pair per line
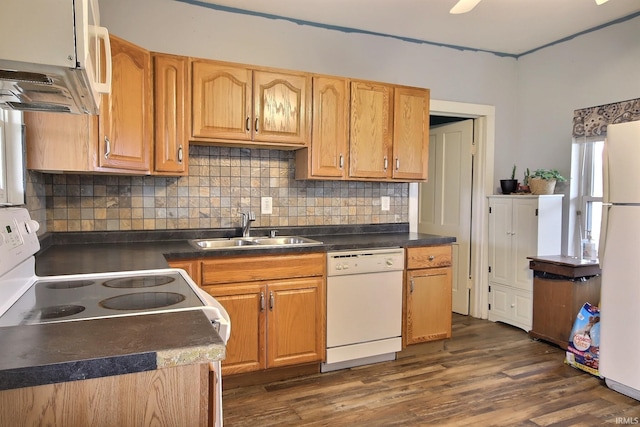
266, 205
385, 201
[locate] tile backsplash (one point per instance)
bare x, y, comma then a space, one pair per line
222, 182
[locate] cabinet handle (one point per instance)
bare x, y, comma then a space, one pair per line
431, 257
386, 163
261, 301
397, 164
248, 124
411, 286
271, 300
341, 161
180, 154
256, 125
107, 145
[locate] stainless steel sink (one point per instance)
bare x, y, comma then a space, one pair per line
252, 242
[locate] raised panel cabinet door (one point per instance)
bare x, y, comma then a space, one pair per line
500, 240
330, 133
370, 130
282, 106
221, 101
525, 235
428, 304
410, 133
295, 331
246, 305
126, 120
171, 113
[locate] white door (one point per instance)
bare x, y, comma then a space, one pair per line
444, 205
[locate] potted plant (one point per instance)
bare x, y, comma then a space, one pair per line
509, 186
543, 181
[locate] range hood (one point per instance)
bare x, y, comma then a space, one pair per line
60, 63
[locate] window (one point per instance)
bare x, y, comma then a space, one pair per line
589, 200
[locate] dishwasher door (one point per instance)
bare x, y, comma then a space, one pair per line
363, 308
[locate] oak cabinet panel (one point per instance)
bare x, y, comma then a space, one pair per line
429, 279
370, 130
276, 305
410, 133
171, 114
328, 153
232, 103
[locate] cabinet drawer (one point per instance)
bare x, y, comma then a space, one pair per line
266, 267
428, 257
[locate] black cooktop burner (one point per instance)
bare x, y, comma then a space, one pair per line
55, 312
69, 285
138, 282
142, 301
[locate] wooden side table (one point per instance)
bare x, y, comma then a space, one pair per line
561, 286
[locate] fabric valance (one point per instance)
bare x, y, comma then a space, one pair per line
593, 121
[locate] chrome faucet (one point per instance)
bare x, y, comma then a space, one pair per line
247, 219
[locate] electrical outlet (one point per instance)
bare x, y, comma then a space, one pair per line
385, 201
266, 205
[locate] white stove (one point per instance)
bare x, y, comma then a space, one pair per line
26, 299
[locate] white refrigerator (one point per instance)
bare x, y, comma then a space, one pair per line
620, 260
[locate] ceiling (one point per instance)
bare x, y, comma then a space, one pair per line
508, 27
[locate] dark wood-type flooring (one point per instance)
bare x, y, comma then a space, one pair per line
489, 374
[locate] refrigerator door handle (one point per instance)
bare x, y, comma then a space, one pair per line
604, 225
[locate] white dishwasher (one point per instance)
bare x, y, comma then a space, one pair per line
364, 307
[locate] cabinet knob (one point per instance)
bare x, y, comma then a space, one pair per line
180, 154
431, 257
107, 144
386, 163
248, 124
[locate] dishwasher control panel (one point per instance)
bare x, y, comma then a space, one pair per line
364, 261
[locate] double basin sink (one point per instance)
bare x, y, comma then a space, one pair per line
253, 242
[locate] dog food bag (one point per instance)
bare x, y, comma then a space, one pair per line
583, 350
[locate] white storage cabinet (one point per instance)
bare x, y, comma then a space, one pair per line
519, 227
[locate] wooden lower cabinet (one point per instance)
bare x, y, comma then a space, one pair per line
276, 305
192, 267
164, 397
428, 294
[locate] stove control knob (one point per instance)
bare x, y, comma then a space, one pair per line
31, 226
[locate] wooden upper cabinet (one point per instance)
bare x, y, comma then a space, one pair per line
171, 114
370, 132
221, 101
235, 103
410, 133
328, 154
126, 120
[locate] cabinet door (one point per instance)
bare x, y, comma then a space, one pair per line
171, 113
428, 304
330, 133
245, 303
500, 229
524, 241
370, 134
221, 101
125, 124
410, 133
295, 332
281, 107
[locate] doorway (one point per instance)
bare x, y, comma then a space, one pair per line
481, 186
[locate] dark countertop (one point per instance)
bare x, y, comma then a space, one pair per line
99, 257
70, 351
43, 354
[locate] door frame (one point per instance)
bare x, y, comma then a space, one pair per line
482, 178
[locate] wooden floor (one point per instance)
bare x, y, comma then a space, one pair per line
489, 374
